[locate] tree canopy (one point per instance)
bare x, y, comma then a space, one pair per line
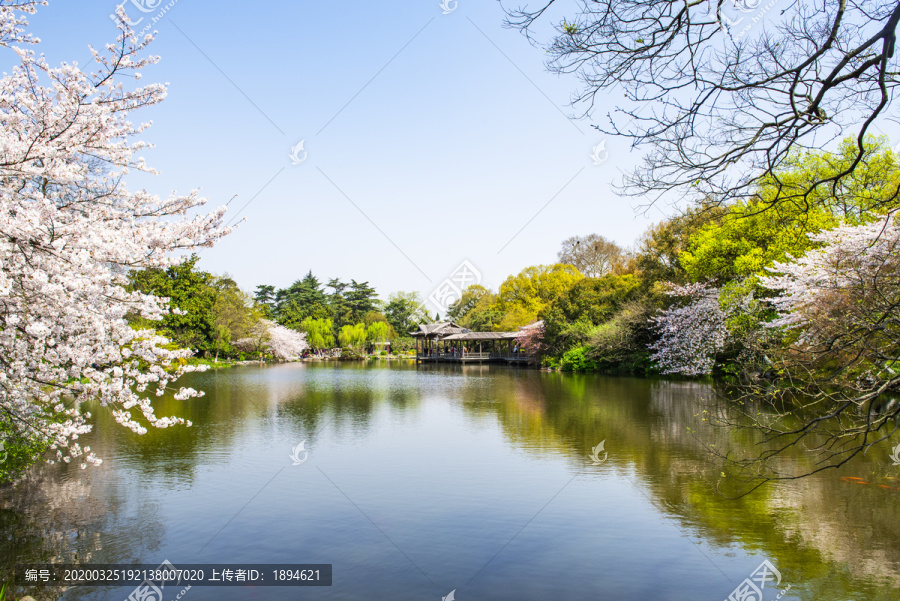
592, 255
405, 311
189, 290
523, 296
303, 299
753, 234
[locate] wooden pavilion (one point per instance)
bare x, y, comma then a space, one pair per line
451, 343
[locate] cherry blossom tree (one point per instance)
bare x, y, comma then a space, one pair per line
834, 357
690, 333
267, 336
531, 339
284, 343
844, 294
69, 233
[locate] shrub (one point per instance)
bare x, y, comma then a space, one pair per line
20, 447
620, 344
550, 362
576, 359
403, 344
348, 354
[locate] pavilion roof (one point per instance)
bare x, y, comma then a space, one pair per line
439, 330
482, 336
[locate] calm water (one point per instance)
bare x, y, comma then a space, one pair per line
423, 480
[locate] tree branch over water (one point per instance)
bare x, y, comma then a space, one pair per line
831, 384
733, 89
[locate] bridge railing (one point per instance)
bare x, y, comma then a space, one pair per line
520, 356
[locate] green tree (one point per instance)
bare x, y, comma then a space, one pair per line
468, 301
360, 299
319, 332
620, 344
405, 311
658, 255
265, 297
337, 303
373, 316
752, 235
476, 309
190, 291
233, 315
523, 296
353, 336
854, 190
379, 331
747, 240
570, 318
302, 299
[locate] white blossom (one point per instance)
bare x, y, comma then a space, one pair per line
70, 230
690, 334
284, 343
847, 289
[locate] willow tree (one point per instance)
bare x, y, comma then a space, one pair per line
379, 331
353, 336
319, 332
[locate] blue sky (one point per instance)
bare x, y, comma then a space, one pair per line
456, 137
430, 138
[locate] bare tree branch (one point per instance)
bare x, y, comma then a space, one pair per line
729, 105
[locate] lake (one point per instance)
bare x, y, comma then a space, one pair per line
417, 481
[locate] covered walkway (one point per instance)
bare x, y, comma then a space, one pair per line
448, 342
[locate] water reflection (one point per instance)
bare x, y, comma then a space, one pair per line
450, 464
828, 533
64, 515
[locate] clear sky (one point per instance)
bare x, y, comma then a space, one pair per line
428, 138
